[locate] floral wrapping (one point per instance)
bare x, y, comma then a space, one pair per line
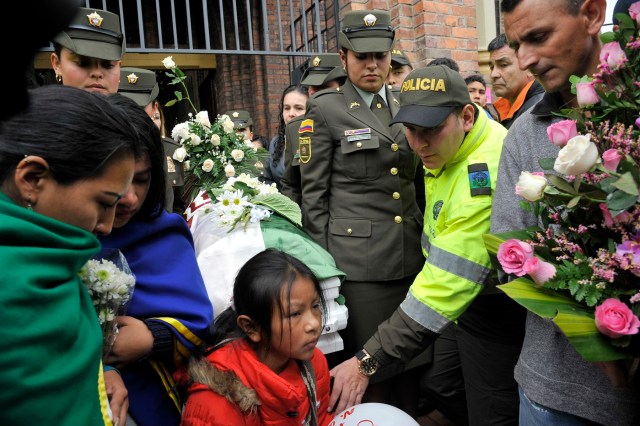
110, 283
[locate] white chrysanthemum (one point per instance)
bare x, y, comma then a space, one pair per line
195, 139
180, 132
208, 164
180, 154
229, 170
215, 140
237, 155
203, 118
259, 213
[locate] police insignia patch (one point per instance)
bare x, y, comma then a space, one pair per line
436, 209
305, 149
479, 179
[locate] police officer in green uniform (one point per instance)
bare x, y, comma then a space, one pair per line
477, 329
140, 85
325, 72
400, 68
358, 194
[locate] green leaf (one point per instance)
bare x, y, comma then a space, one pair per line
619, 201
246, 189
561, 184
171, 102
627, 184
282, 205
547, 163
574, 202
178, 95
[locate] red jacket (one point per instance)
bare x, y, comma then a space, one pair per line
233, 388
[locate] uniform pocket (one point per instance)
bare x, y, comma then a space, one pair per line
350, 227
361, 156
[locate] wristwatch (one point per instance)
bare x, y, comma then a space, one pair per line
367, 366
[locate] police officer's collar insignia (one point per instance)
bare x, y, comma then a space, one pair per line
436, 209
479, 179
132, 78
95, 20
316, 61
395, 101
235, 114
354, 105
370, 20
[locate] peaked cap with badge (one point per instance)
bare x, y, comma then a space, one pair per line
365, 31
94, 33
428, 95
138, 84
241, 118
324, 68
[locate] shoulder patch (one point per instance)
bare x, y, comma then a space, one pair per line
305, 149
306, 126
479, 179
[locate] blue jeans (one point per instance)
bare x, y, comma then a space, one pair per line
533, 414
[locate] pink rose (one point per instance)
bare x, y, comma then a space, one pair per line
611, 158
559, 133
615, 319
638, 122
539, 271
613, 55
512, 254
634, 12
609, 220
586, 94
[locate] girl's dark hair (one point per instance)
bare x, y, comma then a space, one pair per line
278, 149
150, 146
257, 291
77, 132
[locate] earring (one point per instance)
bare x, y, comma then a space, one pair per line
156, 116
29, 206
58, 78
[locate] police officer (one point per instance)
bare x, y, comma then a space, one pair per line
460, 150
242, 123
88, 53
400, 68
358, 195
325, 72
140, 85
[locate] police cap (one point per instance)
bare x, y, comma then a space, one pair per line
365, 31
241, 119
94, 33
138, 84
399, 57
428, 95
324, 68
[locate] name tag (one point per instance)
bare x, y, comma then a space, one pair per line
358, 138
357, 131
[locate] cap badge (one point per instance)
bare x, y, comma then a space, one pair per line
95, 20
132, 78
316, 61
235, 114
370, 20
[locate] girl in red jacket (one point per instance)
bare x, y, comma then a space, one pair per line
262, 366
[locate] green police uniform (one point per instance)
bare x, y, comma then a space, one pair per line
291, 182
94, 33
358, 195
324, 68
141, 85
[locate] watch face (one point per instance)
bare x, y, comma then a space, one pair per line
368, 366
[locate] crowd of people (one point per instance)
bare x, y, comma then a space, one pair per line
398, 171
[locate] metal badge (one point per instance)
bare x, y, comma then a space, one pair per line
132, 78
235, 114
370, 20
95, 20
316, 61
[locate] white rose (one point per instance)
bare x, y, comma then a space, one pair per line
180, 154
207, 166
215, 140
186, 166
228, 125
168, 62
180, 132
203, 118
237, 154
195, 139
531, 186
577, 156
229, 170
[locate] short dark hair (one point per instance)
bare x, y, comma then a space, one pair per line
573, 6
447, 62
475, 77
150, 145
257, 293
498, 43
77, 132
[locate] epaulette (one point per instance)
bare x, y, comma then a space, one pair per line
329, 91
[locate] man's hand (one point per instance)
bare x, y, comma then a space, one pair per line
348, 385
118, 397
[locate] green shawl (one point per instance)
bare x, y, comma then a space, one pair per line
50, 339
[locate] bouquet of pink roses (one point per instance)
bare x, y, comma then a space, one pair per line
581, 267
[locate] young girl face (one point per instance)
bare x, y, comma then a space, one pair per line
136, 194
293, 105
296, 330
